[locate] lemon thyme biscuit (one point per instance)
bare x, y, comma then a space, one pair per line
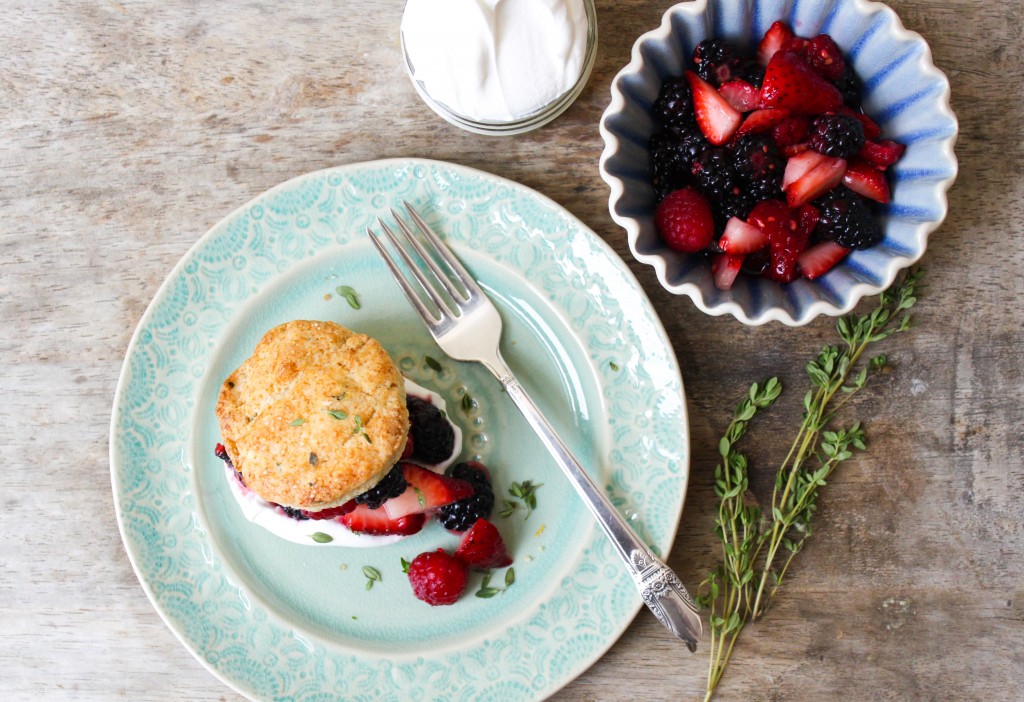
315, 416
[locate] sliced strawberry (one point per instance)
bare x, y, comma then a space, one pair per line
881, 154
863, 178
741, 95
716, 118
332, 512
794, 150
427, 491
725, 268
483, 547
762, 120
798, 45
790, 84
824, 57
820, 258
377, 521
741, 238
777, 36
871, 129
800, 164
815, 182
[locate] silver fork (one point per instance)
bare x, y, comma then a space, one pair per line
467, 327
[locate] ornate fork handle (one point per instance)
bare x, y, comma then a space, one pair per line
660, 588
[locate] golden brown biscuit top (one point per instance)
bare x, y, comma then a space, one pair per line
315, 416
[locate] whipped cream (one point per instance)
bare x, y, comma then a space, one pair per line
495, 60
273, 519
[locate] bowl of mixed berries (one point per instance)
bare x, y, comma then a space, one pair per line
778, 160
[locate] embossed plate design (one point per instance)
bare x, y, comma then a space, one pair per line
277, 620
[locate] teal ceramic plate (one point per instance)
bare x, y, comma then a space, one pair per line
278, 620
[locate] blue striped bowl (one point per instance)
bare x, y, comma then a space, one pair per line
903, 92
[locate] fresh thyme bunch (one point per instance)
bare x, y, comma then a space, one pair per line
758, 545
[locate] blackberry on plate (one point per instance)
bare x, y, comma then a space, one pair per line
847, 218
715, 175
391, 485
673, 107
462, 514
718, 61
295, 514
838, 136
222, 453
756, 158
432, 437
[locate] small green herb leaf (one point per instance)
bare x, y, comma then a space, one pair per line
321, 538
297, 422
420, 498
467, 403
371, 573
337, 414
405, 565
510, 577
433, 364
487, 592
350, 296
313, 460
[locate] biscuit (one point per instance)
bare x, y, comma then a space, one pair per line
315, 416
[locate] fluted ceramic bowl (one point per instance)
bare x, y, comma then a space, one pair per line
903, 92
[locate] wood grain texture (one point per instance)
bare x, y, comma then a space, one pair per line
128, 129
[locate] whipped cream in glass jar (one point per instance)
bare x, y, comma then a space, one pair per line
499, 66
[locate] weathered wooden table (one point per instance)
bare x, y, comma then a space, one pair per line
127, 129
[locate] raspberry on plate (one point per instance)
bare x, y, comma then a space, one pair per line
437, 578
685, 221
483, 547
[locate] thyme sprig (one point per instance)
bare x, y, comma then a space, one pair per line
758, 546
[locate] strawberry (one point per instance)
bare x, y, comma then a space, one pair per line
863, 178
741, 95
426, 491
684, 220
787, 233
725, 268
792, 130
777, 36
741, 238
825, 58
716, 118
482, 547
437, 578
377, 521
881, 154
871, 129
790, 84
820, 258
815, 182
762, 120
332, 512
800, 164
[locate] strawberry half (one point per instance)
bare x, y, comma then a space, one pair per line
777, 36
725, 268
881, 154
716, 118
815, 182
740, 94
864, 179
819, 259
741, 238
333, 512
377, 521
762, 120
427, 491
482, 547
790, 84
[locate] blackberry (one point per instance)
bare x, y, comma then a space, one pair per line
756, 158
715, 175
222, 453
847, 218
753, 73
850, 87
737, 204
838, 136
718, 61
672, 160
295, 514
432, 437
462, 514
673, 107
391, 485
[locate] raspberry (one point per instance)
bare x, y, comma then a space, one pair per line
715, 175
825, 57
462, 514
437, 578
718, 61
847, 218
673, 107
838, 136
391, 485
432, 437
685, 221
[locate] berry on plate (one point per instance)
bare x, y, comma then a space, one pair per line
482, 547
685, 221
377, 521
433, 439
426, 491
437, 578
462, 514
